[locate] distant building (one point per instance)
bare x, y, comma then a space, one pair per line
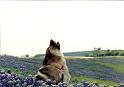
99, 48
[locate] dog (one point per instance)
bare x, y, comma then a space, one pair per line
54, 65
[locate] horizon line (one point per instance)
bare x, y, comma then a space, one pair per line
63, 52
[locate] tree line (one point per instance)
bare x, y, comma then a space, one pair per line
99, 53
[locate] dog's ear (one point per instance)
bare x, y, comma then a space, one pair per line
52, 43
58, 45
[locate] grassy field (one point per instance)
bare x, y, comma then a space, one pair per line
79, 79
109, 68
104, 70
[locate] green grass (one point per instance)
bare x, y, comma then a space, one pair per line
92, 80
116, 63
18, 72
113, 57
118, 67
105, 69
14, 70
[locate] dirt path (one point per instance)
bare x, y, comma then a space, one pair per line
78, 57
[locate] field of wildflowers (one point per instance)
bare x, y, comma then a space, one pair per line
19, 72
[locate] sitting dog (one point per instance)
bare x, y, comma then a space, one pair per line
54, 65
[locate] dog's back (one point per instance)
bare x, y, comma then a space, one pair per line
49, 72
54, 65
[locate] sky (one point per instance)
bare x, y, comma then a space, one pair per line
27, 26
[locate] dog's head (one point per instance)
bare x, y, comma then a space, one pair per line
52, 51
54, 45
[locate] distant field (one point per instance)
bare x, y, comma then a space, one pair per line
104, 70
109, 68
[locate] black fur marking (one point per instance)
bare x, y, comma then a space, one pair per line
58, 45
47, 57
62, 78
43, 71
39, 78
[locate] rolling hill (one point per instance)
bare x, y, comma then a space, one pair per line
108, 69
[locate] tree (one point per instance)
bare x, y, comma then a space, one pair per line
121, 53
26, 55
